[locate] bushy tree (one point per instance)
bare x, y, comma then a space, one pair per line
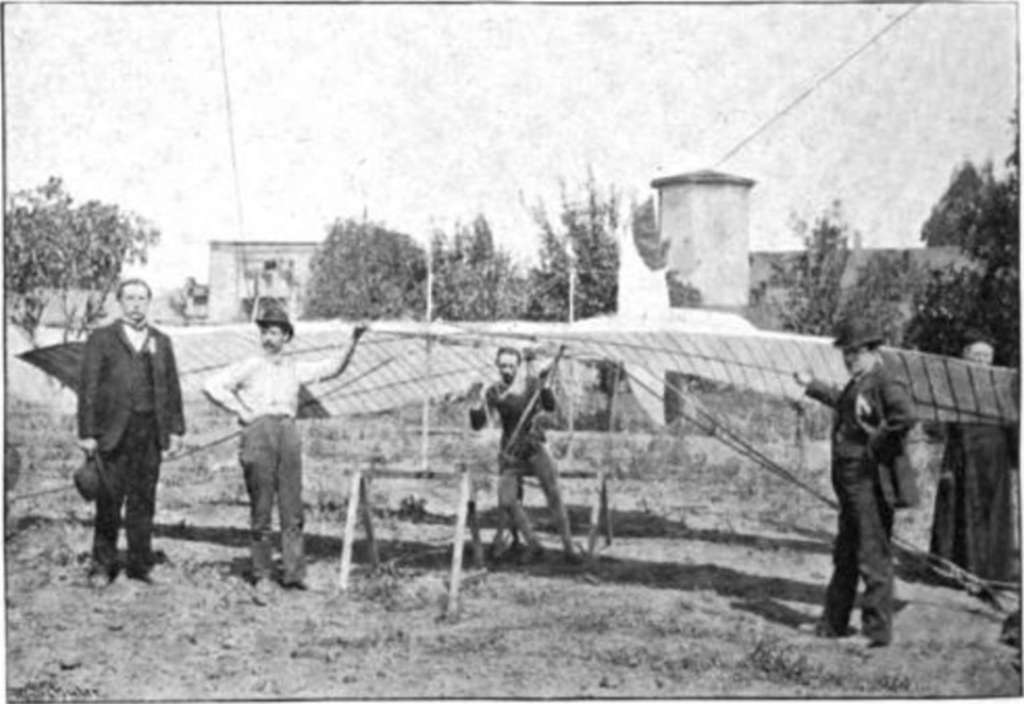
55, 250
474, 279
946, 223
587, 232
644, 222
883, 290
813, 286
365, 270
985, 295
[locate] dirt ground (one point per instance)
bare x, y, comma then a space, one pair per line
714, 572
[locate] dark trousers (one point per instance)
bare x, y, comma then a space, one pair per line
862, 550
271, 458
130, 473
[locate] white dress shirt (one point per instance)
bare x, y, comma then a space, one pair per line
137, 337
266, 384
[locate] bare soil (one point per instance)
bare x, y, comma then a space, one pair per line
714, 572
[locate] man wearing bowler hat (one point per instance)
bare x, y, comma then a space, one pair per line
873, 414
129, 409
263, 392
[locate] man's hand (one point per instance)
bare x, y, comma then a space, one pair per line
479, 391
246, 417
89, 445
803, 377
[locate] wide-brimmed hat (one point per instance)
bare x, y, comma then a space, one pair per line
273, 314
88, 479
857, 333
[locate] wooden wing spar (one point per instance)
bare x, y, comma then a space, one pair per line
399, 364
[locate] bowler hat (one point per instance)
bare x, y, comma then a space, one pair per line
88, 479
857, 333
273, 314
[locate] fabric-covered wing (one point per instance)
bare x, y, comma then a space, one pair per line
62, 362
943, 388
394, 366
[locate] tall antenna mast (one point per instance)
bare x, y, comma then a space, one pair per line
239, 211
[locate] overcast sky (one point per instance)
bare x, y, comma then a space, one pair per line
434, 113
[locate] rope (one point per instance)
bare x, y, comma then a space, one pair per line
709, 423
817, 84
231, 129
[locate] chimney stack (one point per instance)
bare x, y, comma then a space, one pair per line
706, 217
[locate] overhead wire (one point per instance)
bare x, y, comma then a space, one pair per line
821, 80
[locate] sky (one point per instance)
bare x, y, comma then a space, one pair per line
427, 115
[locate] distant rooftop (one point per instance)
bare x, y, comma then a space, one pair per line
703, 176
263, 243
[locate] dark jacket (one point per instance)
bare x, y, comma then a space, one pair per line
104, 399
510, 408
876, 431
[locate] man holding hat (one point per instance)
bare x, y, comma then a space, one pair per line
873, 414
129, 409
263, 392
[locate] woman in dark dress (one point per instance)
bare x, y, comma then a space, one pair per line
974, 523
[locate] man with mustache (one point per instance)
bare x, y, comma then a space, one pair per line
263, 392
873, 413
523, 452
129, 409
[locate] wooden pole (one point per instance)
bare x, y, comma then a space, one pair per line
474, 524
570, 393
350, 529
572, 287
606, 511
425, 417
364, 509
615, 392
460, 538
595, 515
801, 442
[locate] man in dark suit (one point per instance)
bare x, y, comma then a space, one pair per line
874, 411
129, 407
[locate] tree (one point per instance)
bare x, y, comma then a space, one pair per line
473, 279
644, 222
813, 286
53, 250
884, 287
587, 233
179, 299
985, 295
365, 270
946, 222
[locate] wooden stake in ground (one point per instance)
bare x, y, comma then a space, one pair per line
474, 524
350, 529
364, 509
596, 514
460, 538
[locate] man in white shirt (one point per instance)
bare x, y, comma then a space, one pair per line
263, 392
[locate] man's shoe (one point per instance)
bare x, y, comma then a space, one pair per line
140, 576
263, 591
573, 558
879, 641
296, 585
822, 629
99, 580
533, 554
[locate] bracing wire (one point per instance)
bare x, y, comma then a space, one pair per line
821, 80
